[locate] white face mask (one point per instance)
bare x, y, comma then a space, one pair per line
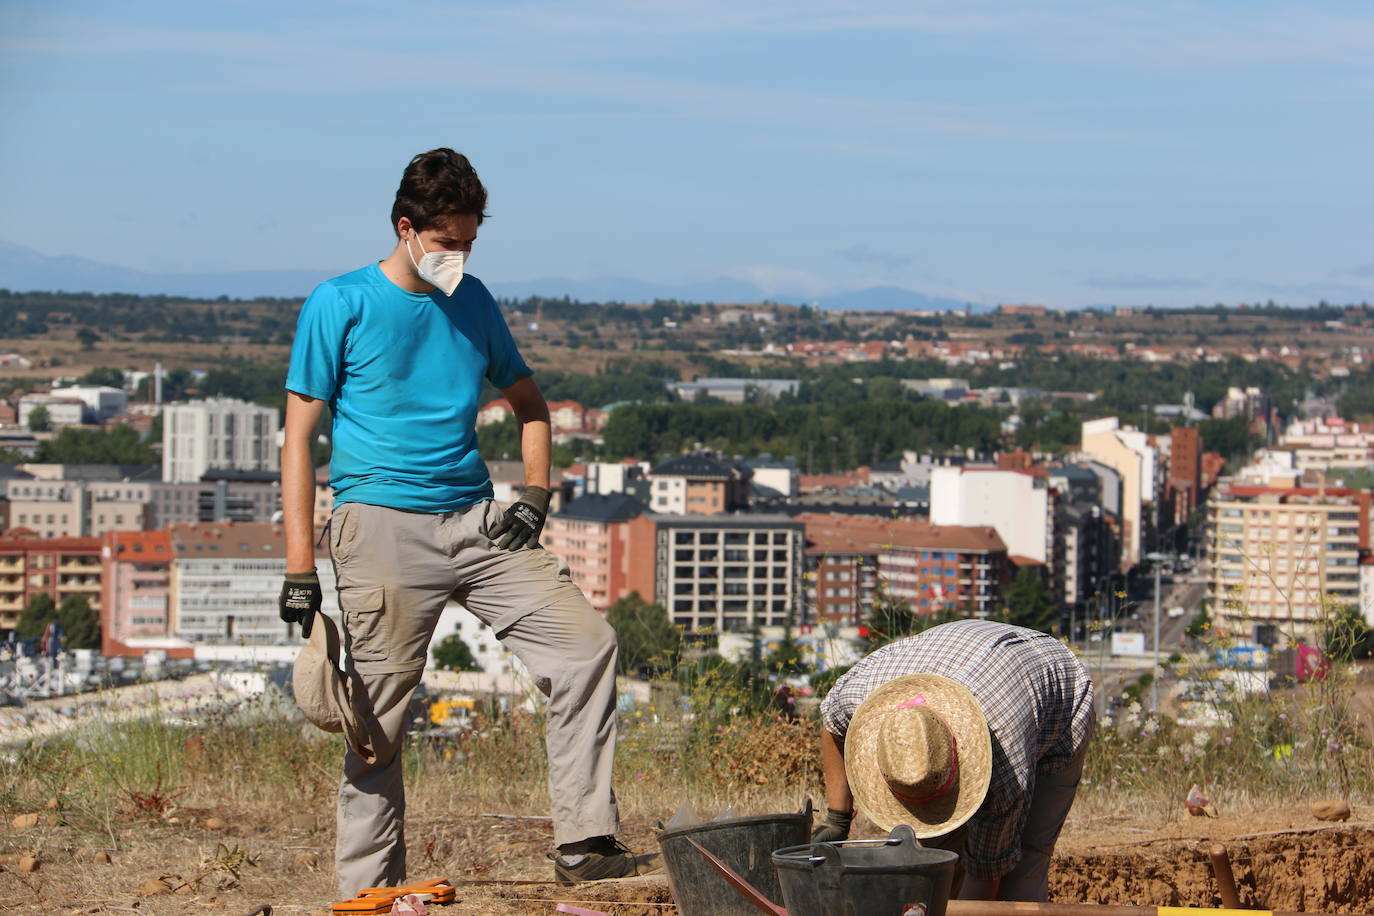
441, 269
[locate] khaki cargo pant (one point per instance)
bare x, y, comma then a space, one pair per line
1029, 879
396, 570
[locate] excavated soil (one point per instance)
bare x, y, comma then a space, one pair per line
1282, 860
1324, 870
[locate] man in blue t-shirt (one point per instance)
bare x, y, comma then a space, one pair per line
399, 350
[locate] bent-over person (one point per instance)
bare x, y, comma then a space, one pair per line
973, 733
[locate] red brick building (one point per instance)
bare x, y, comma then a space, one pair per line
607, 541
57, 567
1183, 486
932, 567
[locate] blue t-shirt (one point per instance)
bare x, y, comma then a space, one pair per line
402, 372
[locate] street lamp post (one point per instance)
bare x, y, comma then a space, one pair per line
1156, 559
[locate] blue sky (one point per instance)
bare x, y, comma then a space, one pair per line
1064, 153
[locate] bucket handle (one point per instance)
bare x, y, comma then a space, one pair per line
901, 835
829, 867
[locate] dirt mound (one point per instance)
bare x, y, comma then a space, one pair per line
629, 897
1329, 870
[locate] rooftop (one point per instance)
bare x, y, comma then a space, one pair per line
142, 545
696, 465
604, 507
734, 520
832, 533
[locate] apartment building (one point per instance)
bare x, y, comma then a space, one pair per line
607, 540
1018, 503
1280, 554
77, 506
91, 500
1313, 445
728, 572
626, 476
136, 575
32, 565
947, 568
226, 578
932, 567
841, 576
1183, 487
698, 484
1128, 452
1248, 403
220, 433
1087, 548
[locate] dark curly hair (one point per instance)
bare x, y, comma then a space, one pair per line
437, 185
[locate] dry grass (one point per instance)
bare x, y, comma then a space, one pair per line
254, 787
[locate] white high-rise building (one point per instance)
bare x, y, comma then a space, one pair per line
1016, 503
219, 433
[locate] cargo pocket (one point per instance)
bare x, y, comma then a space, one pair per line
365, 622
491, 518
343, 528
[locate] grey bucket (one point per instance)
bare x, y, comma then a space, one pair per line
892, 877
746, 844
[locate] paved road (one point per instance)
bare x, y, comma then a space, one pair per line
1113, 674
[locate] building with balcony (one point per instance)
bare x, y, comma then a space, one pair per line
728, 572
32, 565
608, 543
1281, 555
933, 568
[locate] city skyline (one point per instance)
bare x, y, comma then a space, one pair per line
1063, 153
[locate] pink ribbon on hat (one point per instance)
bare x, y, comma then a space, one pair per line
920, 700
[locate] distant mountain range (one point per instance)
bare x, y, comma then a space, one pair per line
23, 269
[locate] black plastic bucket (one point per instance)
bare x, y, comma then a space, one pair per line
746, 844
892, 877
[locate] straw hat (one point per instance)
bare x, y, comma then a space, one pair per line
324, 693
918, 752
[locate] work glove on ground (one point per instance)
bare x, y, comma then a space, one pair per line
523, 521
301, 597
834, 828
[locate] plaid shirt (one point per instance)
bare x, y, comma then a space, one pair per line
1038, 700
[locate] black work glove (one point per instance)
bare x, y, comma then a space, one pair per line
524, 520
834, 828
301, 596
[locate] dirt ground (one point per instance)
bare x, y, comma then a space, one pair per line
231, 861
